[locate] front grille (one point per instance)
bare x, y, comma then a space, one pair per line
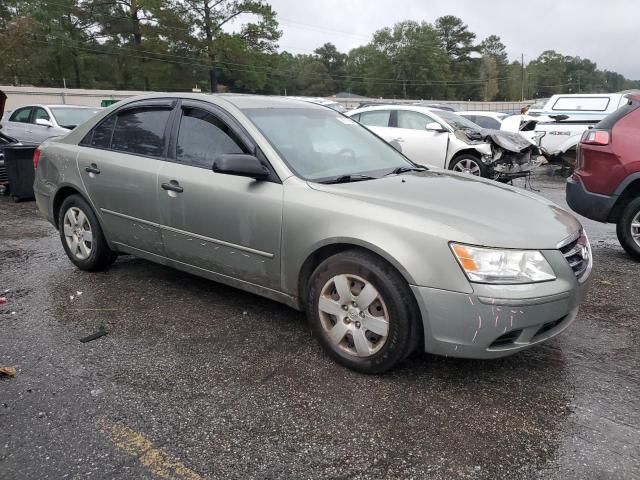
578, 254
506, 339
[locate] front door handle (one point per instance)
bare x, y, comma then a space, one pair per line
173, 186
93, 168
399, 139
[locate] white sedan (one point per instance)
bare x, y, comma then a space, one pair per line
444, 139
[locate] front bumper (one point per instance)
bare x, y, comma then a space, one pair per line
493, 322
591, 205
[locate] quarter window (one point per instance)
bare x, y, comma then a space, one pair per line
376, 118
101, 137
203, 137
21, 115
140, 131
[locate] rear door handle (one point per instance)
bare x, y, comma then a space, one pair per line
93, 168
173, 186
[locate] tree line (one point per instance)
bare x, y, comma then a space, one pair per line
177, 45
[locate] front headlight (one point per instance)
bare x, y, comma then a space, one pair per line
492, 265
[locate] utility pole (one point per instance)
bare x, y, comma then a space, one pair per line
522, 69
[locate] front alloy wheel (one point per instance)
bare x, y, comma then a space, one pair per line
470, 165
353, 315
362, 311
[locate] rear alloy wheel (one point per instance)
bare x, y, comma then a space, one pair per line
362, 312
468, 164
82, 237
628, 229
77, 233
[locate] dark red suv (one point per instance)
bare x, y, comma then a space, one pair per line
606, 183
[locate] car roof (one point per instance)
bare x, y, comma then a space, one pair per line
54, 106
243, 101
69, 106
413, 108
582, 95
482, 112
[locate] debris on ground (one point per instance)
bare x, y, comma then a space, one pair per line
7, 372
102, 331
3, 300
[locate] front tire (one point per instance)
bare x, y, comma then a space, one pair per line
362, 312
628, 229
82, 237
469, 164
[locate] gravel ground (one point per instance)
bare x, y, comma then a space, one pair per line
196, 380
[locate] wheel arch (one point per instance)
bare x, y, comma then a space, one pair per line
629, 191
63, 193
466, 151
322, 251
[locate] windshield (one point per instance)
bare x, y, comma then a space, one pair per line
318, 144
72, 117
457, 122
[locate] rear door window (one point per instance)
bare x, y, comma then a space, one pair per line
376, 118
203, 137
21, 115
413, 120
609, 121
141, 131
40, 114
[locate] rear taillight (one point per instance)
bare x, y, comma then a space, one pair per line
36, 157
596, 137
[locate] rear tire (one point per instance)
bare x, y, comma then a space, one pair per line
628, 229
362, 312
469, 164
82, 237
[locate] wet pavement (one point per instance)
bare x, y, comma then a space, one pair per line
197, 380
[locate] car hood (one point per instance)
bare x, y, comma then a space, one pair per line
461, 208
509, 141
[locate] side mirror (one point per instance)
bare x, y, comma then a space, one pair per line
241, 166
44, 123
435, 127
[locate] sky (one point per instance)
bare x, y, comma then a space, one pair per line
604, 31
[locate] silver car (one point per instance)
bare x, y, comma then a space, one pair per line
36, 123
300, 204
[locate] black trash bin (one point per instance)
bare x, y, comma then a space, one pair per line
18, 161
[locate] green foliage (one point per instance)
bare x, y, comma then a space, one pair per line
179, 44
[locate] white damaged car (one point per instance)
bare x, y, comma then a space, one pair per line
444, 139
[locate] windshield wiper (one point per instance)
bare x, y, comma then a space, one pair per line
400, 170
354, 177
